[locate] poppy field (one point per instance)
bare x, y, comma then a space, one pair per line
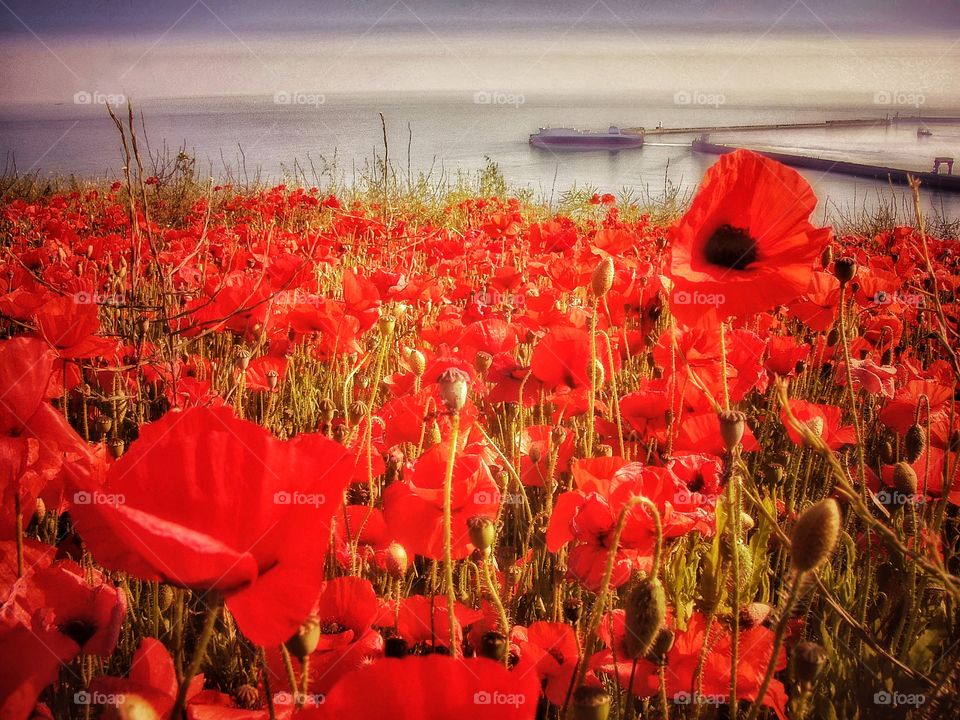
272, 452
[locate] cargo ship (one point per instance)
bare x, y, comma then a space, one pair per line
572, 139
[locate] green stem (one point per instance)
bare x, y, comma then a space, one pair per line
448, 531
213, 612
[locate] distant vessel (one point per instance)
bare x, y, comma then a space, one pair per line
571, 139
923, 132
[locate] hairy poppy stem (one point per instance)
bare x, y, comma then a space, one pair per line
592, 397
213, 612
596, 614
448, 530
497, 603
780, 633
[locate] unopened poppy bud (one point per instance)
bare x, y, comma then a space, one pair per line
826, 257
604, 450
572, 607
754, 614
396, 561
482, 362
165, 598
644, 612
454, 384
776, 474
815, 535
887, 452
833, 337
395, 647
661, 646
247, 696
40, 511
845, 269
598, 374
483, 533
886, 357
116, 447
808, 660
493, 645
418, 363
305, 640
904, 479
591, 703
433, 436
914, 443
557, 435
272, 379
732, 424
602, 279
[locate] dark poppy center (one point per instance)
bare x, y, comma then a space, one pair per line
332, 627
730, 247
80, 631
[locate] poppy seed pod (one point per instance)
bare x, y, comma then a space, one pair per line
914, 443
844, 269
493, 645
453, 388
602, 279
327, 410
116, 448
572, 607
385, 324
591, 703
644, 612
732, 424
815, 535
482, 362
396, 561
247, 696
305, 640
272, 379
418, 363
483, 533
535, 455
904, 479
808, 660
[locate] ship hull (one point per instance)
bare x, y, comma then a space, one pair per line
587, 142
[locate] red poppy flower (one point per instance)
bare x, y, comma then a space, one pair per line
345, 611
425, 621
823, 420
746, 243
204, 500
552, 651
413, 507
434, 687
70, 324
48, 617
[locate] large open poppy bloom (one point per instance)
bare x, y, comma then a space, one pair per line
431, 687
204, 500
48, 617
746, 243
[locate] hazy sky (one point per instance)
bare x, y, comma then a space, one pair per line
52, 50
